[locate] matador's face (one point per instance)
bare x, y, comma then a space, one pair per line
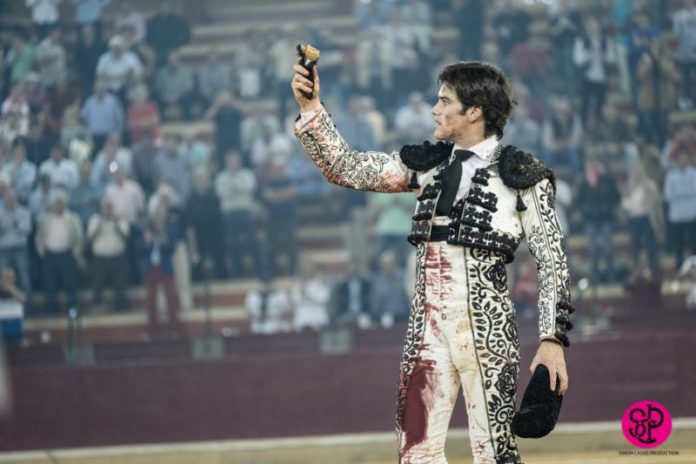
450, 121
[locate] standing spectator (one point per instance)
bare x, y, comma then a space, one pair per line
389, 300
279, 197
59, 242
85, 197
235, 187
215, 75
16, 107
562, 135
310, 296
107, 236
564, 26
126, 196
270, 308
593, 53
113, 156
657, 84
205, 227
15, 227
196, 150
174, 85
642, 202
227, 117
44, 15
391, 215
680, 194
40, 199
351, 298
19, 58
12, 301
685, 32
597, 200
20, 171
171, 166
89, 48
160, 239
167, 31
103, 114
143, 116
50, 58
530, 63
89, 12
63, 172
271, 142
61, 96
119, 68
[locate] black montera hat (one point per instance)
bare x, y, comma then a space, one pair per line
540, 406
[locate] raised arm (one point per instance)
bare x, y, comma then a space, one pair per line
370, 170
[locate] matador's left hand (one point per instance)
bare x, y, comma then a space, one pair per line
550, 354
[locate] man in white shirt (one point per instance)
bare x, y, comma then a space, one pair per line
62, 171
680, 194
119, 66
476, 201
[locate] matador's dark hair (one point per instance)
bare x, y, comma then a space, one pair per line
481, 84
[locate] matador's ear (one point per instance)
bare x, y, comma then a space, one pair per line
540, 406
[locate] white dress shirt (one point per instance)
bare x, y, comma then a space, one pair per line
483, 152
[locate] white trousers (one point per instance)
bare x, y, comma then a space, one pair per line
462, 333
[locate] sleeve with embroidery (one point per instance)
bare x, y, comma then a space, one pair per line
546, 244
369, 170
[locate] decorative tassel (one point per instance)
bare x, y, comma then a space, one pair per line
413, 184
520, 204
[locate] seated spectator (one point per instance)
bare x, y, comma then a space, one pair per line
12, 301
160, 238
119, 68
75, 136
389, 301
391, 214
34, 93
414, 121
351, 299
269, 141
103, 114
63, 172
214, 75
205, 228
107, 237
270, 309
15, 227
20, 171
143, 116
174, 86
85, 197
44, 15
684, 26
310, 296
112, 156
236, 187
59, 242
171, 166
132, 20
196, 150
523, 131
143, 163
50, 58
561, 136
279, 198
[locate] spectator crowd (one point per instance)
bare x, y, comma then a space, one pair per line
96, 191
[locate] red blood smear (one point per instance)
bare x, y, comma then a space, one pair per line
419, 399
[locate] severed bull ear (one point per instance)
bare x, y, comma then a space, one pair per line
310, 57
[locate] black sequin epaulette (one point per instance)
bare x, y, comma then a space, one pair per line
520, 170
425, 156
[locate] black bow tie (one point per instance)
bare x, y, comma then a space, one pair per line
451, 176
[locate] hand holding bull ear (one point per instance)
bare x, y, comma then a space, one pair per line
305, 82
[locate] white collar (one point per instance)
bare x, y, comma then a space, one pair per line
483, 149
